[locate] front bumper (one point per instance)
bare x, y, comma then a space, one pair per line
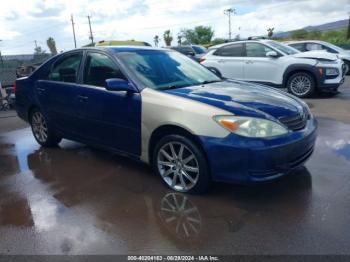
330, 83
252, 160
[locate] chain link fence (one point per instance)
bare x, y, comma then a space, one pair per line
13, 66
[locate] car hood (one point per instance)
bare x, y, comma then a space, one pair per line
317, 55
244, 99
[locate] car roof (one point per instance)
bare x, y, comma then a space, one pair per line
304, 41
239, 41
119, 48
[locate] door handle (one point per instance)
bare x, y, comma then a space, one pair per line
82, 98
249, 62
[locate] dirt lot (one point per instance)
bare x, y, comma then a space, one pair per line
78, 200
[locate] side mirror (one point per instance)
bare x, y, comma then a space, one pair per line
272, 54
118, 84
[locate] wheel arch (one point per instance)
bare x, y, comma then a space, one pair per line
30, 110
292, 69
170, 129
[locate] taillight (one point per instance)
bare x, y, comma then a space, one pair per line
14, 87
202, 59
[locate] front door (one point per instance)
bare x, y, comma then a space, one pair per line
111, 118
260, 68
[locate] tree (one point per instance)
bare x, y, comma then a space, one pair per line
299, 34
179, 39
168, 38
237, 37
316, 34
217, 41
51, 44
156, 40
198, 35
39, 54
270, 32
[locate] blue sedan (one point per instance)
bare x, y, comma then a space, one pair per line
160, 107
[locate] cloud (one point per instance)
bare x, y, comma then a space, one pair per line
142, 19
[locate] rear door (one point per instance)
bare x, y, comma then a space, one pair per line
109, 118
260, 68
230, 60
58, 93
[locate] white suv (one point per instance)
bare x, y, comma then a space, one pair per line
312, 45
272, 63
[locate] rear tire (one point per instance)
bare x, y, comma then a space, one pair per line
42, 131
181, 164
301, 84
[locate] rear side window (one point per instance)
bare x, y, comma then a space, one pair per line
316, 46
230, 50
66, 69
300, 47
98, 68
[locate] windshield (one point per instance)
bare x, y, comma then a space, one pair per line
283, 48
199, 49
159, 69
336, 48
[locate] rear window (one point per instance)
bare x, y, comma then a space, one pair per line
230, 50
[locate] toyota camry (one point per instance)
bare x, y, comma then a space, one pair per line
161, 107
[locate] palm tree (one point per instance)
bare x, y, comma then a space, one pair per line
270, 32
168, 38
51, 44
156, 40
179, 39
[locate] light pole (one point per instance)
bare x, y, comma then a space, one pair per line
228, 12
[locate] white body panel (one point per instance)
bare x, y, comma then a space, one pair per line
266, 69
160, 109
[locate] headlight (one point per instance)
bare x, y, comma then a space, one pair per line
332, 72
250, 126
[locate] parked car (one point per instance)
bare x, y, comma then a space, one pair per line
275, 64
160, 107
196, 52
311, 45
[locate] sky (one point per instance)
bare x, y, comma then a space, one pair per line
24, 21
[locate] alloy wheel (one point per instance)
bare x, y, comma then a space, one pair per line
178, 166
300, 85
39, 127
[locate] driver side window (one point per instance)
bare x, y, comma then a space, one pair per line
98, 68
257, 50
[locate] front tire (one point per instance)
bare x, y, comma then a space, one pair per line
301, 84
181, 164
347, 63
42, 131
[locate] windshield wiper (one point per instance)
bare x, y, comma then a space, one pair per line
209, 81
171, 87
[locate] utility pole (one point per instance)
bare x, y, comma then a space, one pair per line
75, 41
36, 44
228, 12
91, 37
348, 36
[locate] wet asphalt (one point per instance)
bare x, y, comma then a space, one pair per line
79, 200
